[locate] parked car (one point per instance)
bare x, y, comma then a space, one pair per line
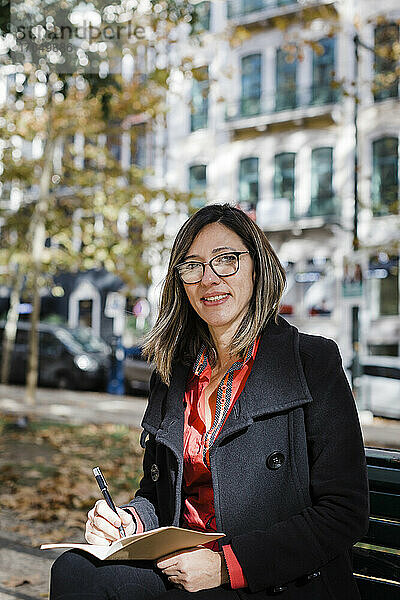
68, 358
380, 385
137, 371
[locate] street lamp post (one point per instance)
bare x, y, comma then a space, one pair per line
356, 100
355, 309
356, 370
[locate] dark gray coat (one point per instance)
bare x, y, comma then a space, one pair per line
288, 469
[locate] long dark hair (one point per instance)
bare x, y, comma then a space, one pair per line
179, 332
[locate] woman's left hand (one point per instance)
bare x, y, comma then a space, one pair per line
194, 569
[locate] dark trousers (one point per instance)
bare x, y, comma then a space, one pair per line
79, 576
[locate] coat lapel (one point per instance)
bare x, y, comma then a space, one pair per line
276, 382
170, 432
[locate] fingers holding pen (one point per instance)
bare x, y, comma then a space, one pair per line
101, 510
103, 524
99, 530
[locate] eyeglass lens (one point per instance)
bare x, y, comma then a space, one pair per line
223, 265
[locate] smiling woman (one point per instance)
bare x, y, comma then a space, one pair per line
251, 290
250, 430
224, 287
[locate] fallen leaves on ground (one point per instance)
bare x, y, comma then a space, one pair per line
46, 476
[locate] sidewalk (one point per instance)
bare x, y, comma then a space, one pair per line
24, 571
93, 407
73, 407
380, 433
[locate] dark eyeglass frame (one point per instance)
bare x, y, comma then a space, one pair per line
209, 263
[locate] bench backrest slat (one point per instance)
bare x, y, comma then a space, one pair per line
384, 504
376, 558
383, 532
388, 476
376, 590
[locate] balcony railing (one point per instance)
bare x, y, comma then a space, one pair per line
283, 99
280, 213
241, 8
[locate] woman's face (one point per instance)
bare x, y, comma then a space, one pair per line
221, 302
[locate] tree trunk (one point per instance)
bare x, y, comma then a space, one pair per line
10, 329
38, 230
33, 360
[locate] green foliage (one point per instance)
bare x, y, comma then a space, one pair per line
87, 180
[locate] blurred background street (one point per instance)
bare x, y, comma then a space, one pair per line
74, 407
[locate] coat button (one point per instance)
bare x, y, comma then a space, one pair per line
155, 472
278, 589
275, 460
313, 575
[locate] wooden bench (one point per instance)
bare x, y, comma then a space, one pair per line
376, 558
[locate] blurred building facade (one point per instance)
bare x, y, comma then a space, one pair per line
268, 123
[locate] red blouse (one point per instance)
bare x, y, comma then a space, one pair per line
198, 510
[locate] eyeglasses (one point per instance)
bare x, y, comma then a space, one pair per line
223, 265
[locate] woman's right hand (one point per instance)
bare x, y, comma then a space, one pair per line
102, 524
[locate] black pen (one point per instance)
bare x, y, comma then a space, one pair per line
104, 490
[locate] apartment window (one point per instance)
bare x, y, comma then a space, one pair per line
322, 200
248, 183
386, 81
138, 146
251, 85
284, 178
199, 101
249, 6
197, 178
201, 17
323, 91
237, 8
198, 184
113, 144
383, 280
385, 176
286, 76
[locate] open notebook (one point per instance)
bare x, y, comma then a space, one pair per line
148, 545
